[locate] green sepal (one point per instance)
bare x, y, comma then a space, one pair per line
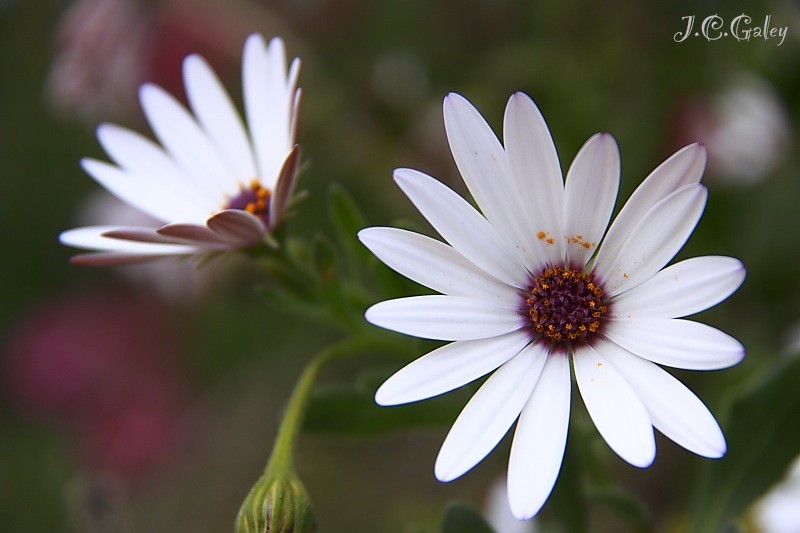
460, 517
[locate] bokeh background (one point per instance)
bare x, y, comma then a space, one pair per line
146, 398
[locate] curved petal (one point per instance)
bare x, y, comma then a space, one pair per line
674, 409
222, 123
142, 234
614, 408
152, 169
589, 196
284, 187
435, 265
445, 318
676, 343
186, 141
449, 367
654, 241
463, 227
536, 172
91, 238
682, 289
269, 102
112, 259
239, 228
482, 162
684, 167
191, 232
539, 441
489, 414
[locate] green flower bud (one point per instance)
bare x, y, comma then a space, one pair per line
276, 504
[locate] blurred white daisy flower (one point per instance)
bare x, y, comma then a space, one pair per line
745, 128
214, 184
527, 287
497, 514
777, 511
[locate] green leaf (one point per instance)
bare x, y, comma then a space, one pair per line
763, 438
461, 517
351, 409
324, 258
347, 221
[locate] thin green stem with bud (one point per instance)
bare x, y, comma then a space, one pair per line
278, 502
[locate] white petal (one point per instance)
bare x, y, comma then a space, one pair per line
151, 168
615, 409
186, 141
539, 441
534, 165
489, 414
135, 190
446, 318
682, 289
673, 408
654, 241
684, 167
222, 123
435, 265
483, 165
589, 196
91, 238
676, 343
450, 367
268, 101
463, 227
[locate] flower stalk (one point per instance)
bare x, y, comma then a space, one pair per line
278, 502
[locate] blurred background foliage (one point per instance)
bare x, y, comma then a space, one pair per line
146, 399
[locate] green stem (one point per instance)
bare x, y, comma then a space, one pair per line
281, 460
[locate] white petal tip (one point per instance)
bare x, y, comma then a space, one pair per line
364, 234
275, 41
147, 90
254, 39
715, 454
402, 174
642, 462
443, 475
524, 513
104, 128
370, 314
383, 397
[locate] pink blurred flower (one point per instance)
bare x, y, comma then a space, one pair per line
105, 49
106, 368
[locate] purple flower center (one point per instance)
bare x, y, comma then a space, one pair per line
254, 199
565, 306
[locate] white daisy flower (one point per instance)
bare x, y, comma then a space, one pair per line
215, 184
526, 287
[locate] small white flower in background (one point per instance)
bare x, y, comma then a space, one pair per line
527, 287
778, 511
791, 345
497, 514
745, 128
213, 184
